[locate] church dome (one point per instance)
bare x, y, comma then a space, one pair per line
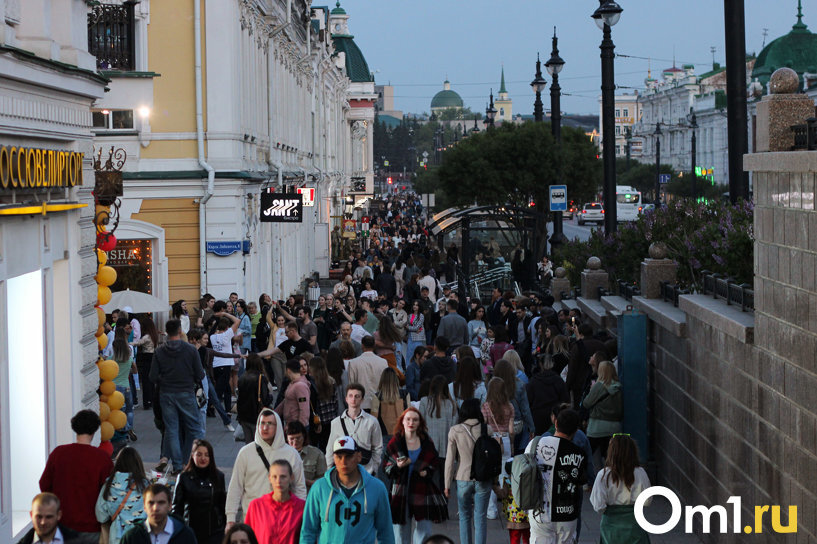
446, 98
796, 50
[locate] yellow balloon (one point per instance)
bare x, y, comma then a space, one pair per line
107, 387
108, 370
101, 257
106, 431
103, 341
103, 398
105, 275
103, 295
118, 419
104, 411
100, 316
116, 400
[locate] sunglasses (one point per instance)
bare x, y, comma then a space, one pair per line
621, 434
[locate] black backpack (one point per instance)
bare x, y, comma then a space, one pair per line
486, 462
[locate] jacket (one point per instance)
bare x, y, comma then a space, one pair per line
131, 513
545, 390
438, 365
182, 534
200, 502
438, 427
296, 402
275, 522
365, 429
461, 440
413, 379
422, 496
332, 518
176, 367
69, 536
578, 369
416, 332
366, 370
249, 479
521, 405
454, 328
247, 405
606, 409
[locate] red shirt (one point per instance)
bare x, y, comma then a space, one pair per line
276, 522
75, 473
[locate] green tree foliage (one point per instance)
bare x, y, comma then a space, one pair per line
450, 114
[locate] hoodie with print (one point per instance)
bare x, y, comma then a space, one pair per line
250, 479
330, 517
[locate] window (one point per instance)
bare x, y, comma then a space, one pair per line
111, 36
618, 149
618, 130
626, 112
113, 119
618, 113
502, 112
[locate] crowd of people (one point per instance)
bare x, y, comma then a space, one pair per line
358, 416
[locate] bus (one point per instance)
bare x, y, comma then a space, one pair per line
628, 203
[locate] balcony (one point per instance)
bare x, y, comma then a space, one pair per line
111, 36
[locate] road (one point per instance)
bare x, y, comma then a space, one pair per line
572, 230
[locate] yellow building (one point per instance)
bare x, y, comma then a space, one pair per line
502, 103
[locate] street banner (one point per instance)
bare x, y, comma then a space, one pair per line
281, 208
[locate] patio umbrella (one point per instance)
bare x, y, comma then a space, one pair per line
138, 301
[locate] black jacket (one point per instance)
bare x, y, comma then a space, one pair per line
138, 534
438, 365
68, 535
247, 405
176, 367
545, 390
200, 501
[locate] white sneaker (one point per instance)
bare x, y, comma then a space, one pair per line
229, 427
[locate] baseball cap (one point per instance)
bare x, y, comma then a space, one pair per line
344, 444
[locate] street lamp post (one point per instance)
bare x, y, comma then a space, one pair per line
538, 86
657, 164
606, 16
693, 124
629, 138
554, 65
490, 112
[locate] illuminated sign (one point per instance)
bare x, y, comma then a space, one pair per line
309, 195
39, 169
132, 260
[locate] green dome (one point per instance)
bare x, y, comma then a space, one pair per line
338, 10
796, 50
356, 66
446, 98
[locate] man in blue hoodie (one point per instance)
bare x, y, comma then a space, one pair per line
347, 505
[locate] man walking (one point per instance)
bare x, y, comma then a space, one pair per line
75, 473
45, 517
367, 369
159, 527
177, 369
363, 427
453, 326
346, 334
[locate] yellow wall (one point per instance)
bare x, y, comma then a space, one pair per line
179, 217
170, 149
171, 52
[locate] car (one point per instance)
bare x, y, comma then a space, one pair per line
572, 210
646, 208
592, 212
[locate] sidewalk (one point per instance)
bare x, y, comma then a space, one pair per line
226, 449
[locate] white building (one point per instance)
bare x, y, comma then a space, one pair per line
48, 82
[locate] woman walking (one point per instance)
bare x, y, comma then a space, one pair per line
440, 413
144, 356
468, 383
606, 406
178, 311
515, 390
324, 402
253, 396
410, 462
415, 328
472, 496
201, 495
477, 330
120, 499
389, 403
386, 338
123, 355
615, 491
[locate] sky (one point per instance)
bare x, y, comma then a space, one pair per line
415, 44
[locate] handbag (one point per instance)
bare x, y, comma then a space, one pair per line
201, 397
316, 419
105, 528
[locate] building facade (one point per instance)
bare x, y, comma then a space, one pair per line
224, 100
627, 114
48, 82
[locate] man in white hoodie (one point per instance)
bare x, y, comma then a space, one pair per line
249, 480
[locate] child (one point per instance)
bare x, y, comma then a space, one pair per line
516, 520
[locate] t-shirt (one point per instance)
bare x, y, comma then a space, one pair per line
309, 330
275, 522
293, 349
564, 466
223, 343
75, 473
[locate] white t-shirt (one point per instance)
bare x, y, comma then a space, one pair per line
223, 343
280, 336
605, 492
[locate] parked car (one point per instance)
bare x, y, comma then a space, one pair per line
592, 212
572, 210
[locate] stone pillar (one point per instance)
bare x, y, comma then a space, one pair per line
34, 33
559, 284
71, 33
594, 277
656, 269
778, 111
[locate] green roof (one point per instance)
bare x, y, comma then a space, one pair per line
446, 99
796, 50
502, 86
338, 10
356, 66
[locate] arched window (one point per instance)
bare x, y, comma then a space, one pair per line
502, 112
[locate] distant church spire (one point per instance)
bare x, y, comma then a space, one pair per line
502, 85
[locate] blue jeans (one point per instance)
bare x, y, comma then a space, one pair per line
212, 400
180, 414
404, 535
128, 408
472, 502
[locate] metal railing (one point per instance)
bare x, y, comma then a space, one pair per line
805, 135
670, 292
111, 36
501, 277
628, 290
729, 290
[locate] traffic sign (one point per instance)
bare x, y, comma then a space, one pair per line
558, 198
281, 208
663, 178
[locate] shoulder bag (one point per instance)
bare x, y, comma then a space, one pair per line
105, 532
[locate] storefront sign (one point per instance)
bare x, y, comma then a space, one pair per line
224, 249
281, 208
349, 228
309, 195
133, 262
31, 168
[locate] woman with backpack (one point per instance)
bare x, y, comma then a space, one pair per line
615, 491
472, 495
120, 499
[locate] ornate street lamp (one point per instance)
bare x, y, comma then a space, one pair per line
606, 16
490, 112
476, 127
554, 65
693, 125
538, 85
657, 134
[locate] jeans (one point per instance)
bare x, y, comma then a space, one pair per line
221, 374
404, 535
180, 414
472, 503
143, 362
128, 408
552, 532
212, 400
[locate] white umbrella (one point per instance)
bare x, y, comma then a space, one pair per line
138, 302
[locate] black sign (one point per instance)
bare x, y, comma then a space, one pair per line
281, 208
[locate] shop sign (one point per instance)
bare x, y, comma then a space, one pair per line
28, 168
133, 262
309, 195
224, 249
281, 208
349, 228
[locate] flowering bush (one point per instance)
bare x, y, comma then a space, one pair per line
716, 236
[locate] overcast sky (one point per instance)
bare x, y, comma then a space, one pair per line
415, 44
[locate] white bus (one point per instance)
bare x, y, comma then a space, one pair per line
628, 203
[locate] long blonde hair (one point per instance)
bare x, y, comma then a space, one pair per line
607, 373
559, 344
512, 356
389, 386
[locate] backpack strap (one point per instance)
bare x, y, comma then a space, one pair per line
124, 501
262, 456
